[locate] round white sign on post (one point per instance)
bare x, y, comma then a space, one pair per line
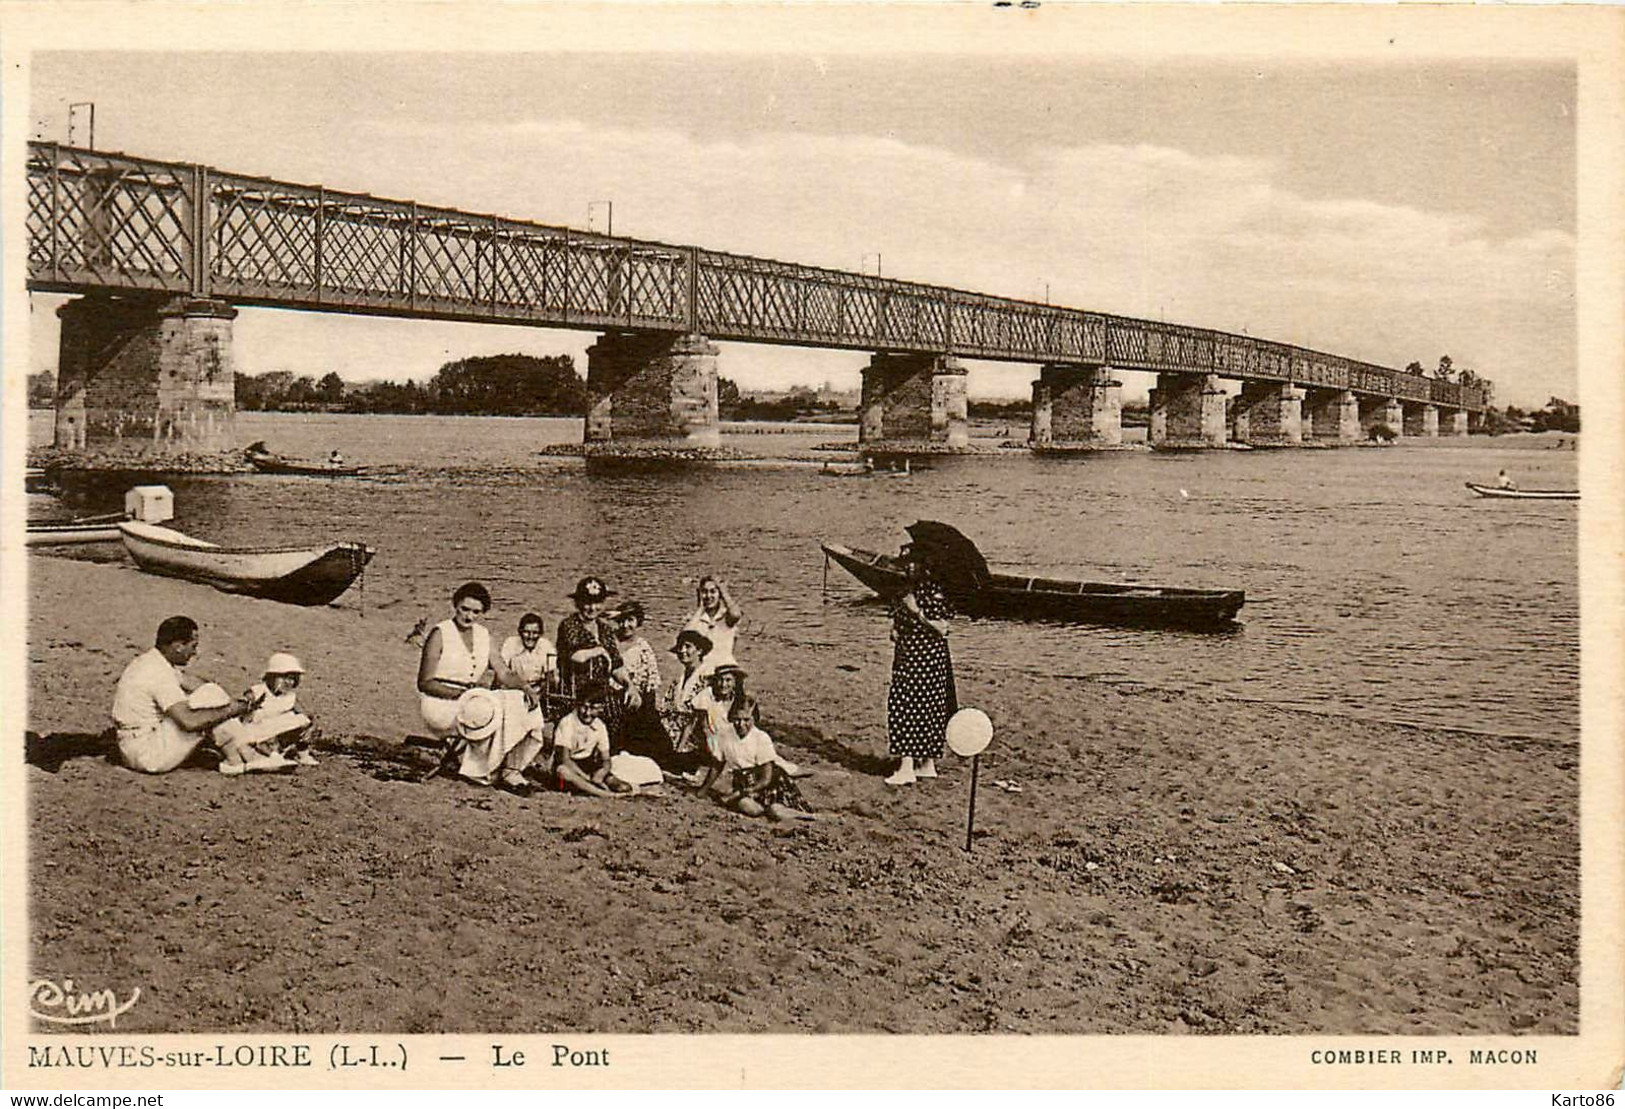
969, 732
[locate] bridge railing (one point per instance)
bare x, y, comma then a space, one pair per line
101, 222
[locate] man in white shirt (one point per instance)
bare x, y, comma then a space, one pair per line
156, 727
531, 655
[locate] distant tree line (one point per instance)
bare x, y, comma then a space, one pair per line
499, 385
799, 403
1557, 415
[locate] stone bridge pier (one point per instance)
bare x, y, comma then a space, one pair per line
1269, 414
914, 400
1331, 416
1375, 411
652, 388
1421, 420
1453, 422
1077, 408
1187, 410
147, 375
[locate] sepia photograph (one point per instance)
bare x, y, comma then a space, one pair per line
572, 528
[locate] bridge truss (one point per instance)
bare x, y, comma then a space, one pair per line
111, 223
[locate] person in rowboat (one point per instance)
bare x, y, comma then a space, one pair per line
1503, 480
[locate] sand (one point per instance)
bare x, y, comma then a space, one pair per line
1173, 864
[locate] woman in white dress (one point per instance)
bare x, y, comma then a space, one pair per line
717, 618
456, 655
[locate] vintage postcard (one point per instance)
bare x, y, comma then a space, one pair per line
638, 545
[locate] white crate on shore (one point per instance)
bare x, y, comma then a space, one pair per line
151, 504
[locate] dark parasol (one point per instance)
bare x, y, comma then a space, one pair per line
952, 559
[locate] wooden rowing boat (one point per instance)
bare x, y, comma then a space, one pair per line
976, 591
269, 462
1495, 491
292, 575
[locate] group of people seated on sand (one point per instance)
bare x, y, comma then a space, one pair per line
587, 713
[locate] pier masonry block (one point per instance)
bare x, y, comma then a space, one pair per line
1422, 420
1077, 408
1187, 410
1453, 422
152, 376
1272, 412
1241, 422
1389, 411
914, 398
1335, 416
652, 388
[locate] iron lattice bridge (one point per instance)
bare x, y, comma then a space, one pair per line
112, 223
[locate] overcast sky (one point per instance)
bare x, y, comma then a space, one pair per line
1387, 212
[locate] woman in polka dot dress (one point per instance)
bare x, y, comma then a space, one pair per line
922, 694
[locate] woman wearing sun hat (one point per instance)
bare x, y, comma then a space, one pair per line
684, 724
635, 684
586, 646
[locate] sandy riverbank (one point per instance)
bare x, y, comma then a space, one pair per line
1174, 864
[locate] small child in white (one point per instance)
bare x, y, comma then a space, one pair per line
580, 759
760, 785
274, 734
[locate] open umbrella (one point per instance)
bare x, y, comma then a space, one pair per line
955, 561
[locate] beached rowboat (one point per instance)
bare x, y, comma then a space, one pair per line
977, 591
292, 575
1525, 494
88, 529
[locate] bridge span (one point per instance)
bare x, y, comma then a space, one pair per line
161, 255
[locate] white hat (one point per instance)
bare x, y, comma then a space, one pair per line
283, 663
477, 716
208, 696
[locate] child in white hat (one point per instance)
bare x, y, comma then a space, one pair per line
274, 734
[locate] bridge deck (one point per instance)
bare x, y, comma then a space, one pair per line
101, 222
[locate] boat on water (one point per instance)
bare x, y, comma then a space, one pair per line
269, 462
976, 590
1496, 492
292, 575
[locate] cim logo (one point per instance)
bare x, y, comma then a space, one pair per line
62, 1004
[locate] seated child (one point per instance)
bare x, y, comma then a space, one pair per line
580, 757
760, 784
727, 689
273, 735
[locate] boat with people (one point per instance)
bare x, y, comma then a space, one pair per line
267, 461
975, 590
1501, 493
292, 575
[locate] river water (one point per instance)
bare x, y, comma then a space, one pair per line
1377, 586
